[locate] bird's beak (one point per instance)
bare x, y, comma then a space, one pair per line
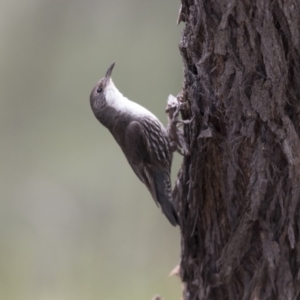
109, 71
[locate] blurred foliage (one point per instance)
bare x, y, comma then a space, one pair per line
75, 222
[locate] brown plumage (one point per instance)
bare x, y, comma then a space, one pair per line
142, 138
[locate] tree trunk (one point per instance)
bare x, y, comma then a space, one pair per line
239, 190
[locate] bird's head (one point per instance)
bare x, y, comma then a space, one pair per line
98, 96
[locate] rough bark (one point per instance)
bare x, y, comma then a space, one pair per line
239, 190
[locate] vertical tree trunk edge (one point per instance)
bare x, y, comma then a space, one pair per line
239, 190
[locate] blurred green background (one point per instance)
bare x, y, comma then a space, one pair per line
75, 222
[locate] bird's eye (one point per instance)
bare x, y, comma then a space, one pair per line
99, 90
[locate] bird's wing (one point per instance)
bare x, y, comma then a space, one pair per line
147, 167
139, 155
136, 144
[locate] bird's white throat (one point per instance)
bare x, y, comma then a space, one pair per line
114, 98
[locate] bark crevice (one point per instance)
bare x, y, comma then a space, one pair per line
239, 190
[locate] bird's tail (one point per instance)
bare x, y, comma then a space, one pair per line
162, 184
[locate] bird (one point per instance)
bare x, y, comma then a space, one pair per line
142, 138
